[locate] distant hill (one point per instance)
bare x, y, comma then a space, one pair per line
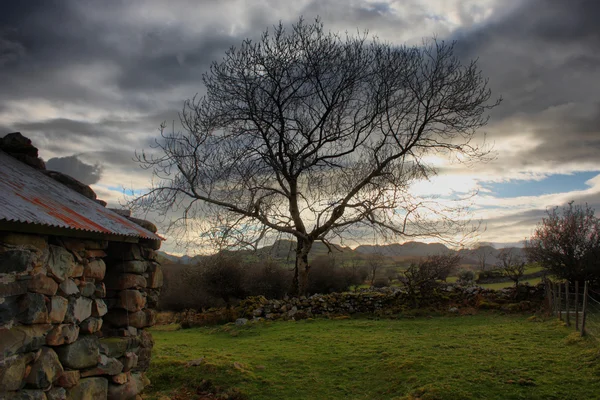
408, 249
284, 250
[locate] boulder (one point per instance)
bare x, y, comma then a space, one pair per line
115, 346
68, 288
15, 142
13, 288
68, 379
72, 184
121, 378
57, 308
155, 278
14, 370
129, 361
56, 393
125, 281
45, 369
87, 289
128, 390
99, 308
61, 263
133, 266
42, 284
106, 366
149, 226
32, 309
90, 389
79, 309
131, 300
122, 318
22, 339
95, 269
25, 240
24, 395
90, 325
17, 260
100, 291
62, 334
83, 353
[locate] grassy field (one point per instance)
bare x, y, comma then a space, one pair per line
485, 356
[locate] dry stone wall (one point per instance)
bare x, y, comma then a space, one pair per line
72, 317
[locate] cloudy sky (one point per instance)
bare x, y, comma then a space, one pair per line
90, 81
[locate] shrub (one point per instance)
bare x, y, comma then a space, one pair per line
327, 277
465, 277
268, 279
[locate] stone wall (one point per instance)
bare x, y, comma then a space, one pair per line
72, 317
392, 301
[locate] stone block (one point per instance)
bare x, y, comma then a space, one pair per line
32, 309
14, 371
87, 289
95, 269
90, 325
144, 356
133, 267
100, 291
79, 309
24, 239
62, 334
106, 366
95, 253
129, 361
155, 278
17, 260
125, 281
68, 379
83, 353
56, 393
13, 288
68, 288
90, 389
121, 378
128, 390
45, 370
9, 309
42, 284
131, 300
124, 251
57, 308
22, 339
99, 308
121, 318
60, 263
27, 394
115, 346
77, 270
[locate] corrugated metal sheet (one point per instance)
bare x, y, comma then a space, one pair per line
29, 196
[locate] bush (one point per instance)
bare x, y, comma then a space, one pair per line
327, 277
466, 277
381, 282
267, 279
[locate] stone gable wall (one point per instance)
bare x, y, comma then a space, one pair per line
72, 317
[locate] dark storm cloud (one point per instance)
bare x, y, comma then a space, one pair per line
72, 166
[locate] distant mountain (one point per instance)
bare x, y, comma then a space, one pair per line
408, 249
284, 250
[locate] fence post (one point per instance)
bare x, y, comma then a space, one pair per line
576, 305
560, 301
567, 303
549, 295
555, 298
584, 311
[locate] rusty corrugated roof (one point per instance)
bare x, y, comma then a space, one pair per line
29, 196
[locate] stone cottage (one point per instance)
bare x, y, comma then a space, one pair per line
78, 284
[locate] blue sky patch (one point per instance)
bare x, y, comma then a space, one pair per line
557, 183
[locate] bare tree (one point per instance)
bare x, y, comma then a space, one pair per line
483, 251
512, 264
374, 264
440, 266
567, 244
309, 133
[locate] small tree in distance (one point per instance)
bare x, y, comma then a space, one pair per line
512, 264
567, 244
318, 136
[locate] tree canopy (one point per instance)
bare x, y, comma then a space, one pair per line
318, 136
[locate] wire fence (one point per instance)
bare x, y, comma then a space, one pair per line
578, 305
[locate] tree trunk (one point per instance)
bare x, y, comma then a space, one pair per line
301, 269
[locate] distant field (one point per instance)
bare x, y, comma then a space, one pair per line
486, 356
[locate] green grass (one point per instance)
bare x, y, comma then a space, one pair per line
485, 356
502, 285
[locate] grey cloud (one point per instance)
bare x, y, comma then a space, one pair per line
72, 166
